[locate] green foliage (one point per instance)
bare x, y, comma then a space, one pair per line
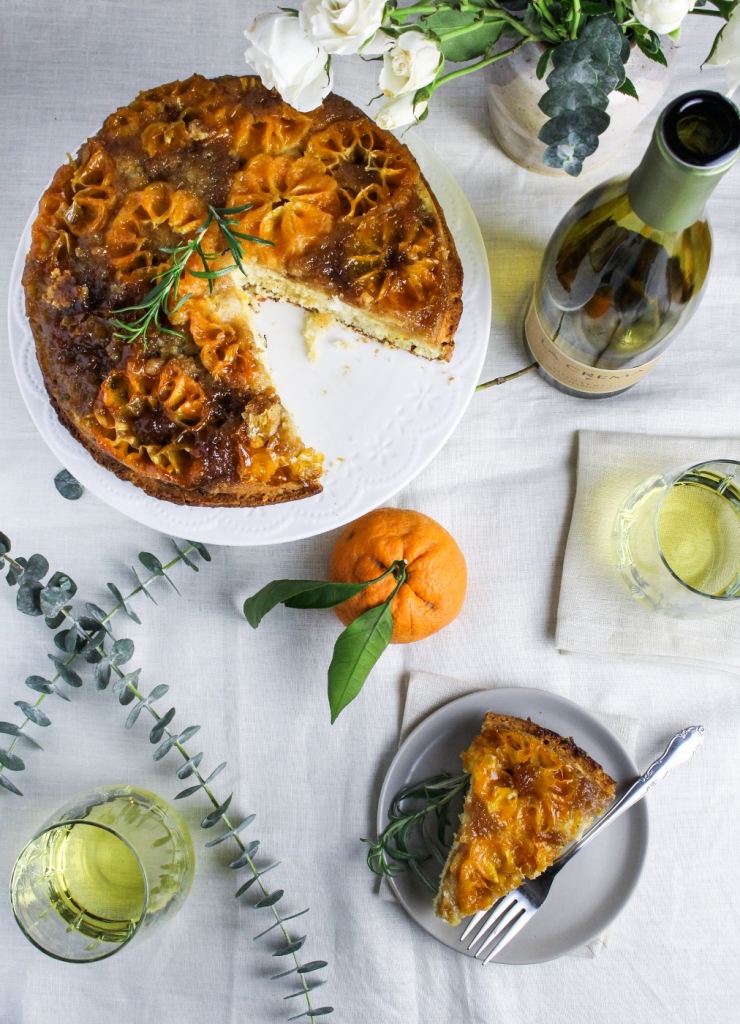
585, 71
90, 636
68, 486
360, 645
392, 851
164, 299
464, 35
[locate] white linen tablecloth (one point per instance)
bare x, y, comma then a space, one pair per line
503, 486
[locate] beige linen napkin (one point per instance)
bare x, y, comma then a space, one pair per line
427, 692
596, 614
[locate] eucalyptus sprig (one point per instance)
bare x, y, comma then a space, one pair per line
164, 299
358, 647
90, 637
390, 853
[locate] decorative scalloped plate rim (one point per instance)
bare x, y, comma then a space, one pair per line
380, 415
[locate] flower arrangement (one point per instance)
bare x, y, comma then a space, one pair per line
587, 42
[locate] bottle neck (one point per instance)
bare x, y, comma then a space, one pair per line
668, 193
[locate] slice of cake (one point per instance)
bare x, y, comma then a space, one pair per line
532, 793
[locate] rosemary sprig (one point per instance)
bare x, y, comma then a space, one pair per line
390, 853
91, 636
158, 303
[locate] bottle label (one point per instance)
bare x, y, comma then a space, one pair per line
575, 375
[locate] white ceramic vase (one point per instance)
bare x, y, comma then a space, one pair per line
514, 92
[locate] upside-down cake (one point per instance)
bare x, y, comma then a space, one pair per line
531, 793
189, 412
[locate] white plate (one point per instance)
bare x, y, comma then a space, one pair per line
590, 891
378, 415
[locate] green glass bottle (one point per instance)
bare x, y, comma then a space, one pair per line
626, 267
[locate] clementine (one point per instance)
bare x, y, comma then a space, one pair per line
436, 574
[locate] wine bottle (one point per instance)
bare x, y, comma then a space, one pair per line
626, 267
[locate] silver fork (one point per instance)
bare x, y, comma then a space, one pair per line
511, 912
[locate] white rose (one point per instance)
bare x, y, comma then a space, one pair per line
411, 63
400, 111
662, 16
727, 51
287, 60
341, 26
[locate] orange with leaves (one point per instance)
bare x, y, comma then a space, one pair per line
436, 575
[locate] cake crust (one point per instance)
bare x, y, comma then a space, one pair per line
532, 793
354, 229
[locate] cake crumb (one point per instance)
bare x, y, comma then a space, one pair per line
314, 328
343, 343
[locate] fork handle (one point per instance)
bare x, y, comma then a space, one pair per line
683, 745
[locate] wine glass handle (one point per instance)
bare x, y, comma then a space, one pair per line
683, 745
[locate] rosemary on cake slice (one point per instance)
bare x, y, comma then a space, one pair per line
156, 303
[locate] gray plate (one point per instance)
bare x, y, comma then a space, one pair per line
587, 894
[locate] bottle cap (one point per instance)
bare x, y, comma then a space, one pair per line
695, 142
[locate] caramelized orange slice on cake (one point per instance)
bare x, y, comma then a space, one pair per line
531, 794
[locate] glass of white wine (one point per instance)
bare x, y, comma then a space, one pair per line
677, 540
107, 868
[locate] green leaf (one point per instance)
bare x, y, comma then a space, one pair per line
37, 567
27, 598
234, 831
102, 674
15, 730
210, 819
481, 37
52, 599
121, 652
589, 7
35, 715
201, 549
159, 691
39, 684
61, 579
543, 62
189, 767
70, 677
185, 793
7, 784
318, 1011
184, 558
188, 733
159, 727
298, 594
313, 965
249, 852
271, 900
122, 603
4, 544
165, 748
134, 713
292, 947
151, 563
11, 761
628, 88
68, 486
355, 653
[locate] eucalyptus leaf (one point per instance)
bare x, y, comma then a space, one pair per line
187, 770
93, 642
134, 713
292, 947
144, 589
67, 674
270, 900
11, 761
202, 550
355, 653
35, 715
184, 558
39, 684
5, 544
37, 567
313, 965
52, 599
318, 1011
121, 652
249, 852
216, 772
126, 696
160, 725
122, 603
55, 621
151, 563
125, 683
7, 784
188, 733
159, 691
234, 831
15, 730
298, 594
185, 793
250, 881
210, 819
68, 486
64, 582
165, 748
102, 674
27, 598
